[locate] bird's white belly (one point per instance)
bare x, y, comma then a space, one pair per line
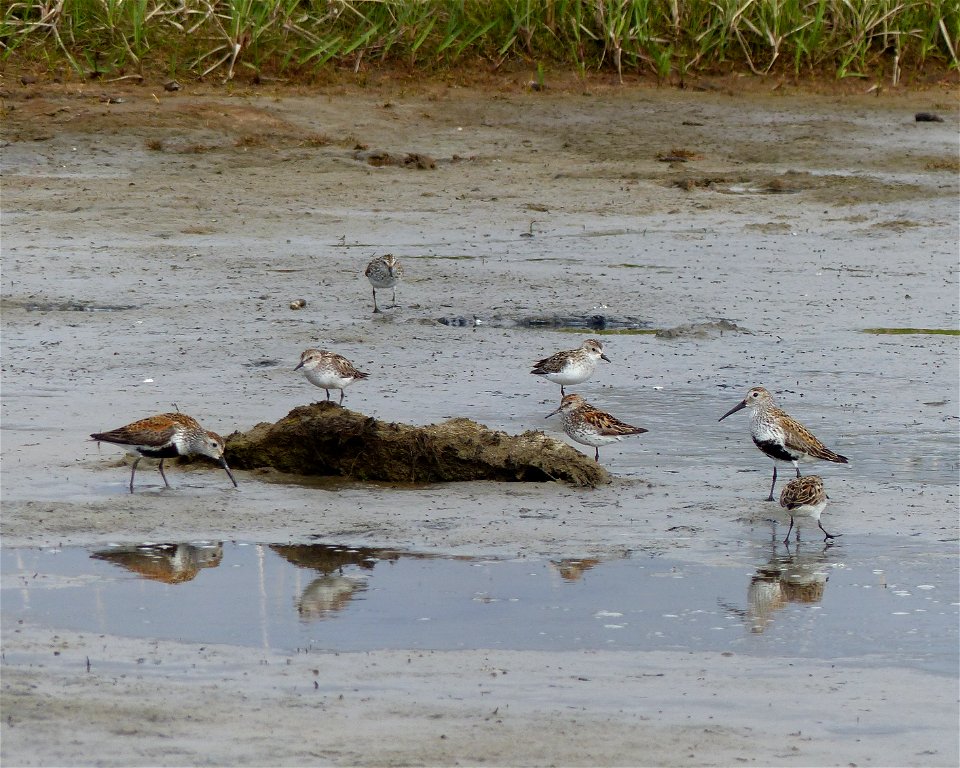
765, 432
592, 438
812, 511
570, 374
327, 379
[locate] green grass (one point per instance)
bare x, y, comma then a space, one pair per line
669, 39
927, 331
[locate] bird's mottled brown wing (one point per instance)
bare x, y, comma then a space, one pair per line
153, 430
609, 425
802, 491
347, 368
343, 366
552, 364
799, 438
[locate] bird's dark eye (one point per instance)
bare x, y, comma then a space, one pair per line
756, 394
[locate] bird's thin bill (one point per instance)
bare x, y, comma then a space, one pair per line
737, 407
604, 357
553, 412
299, 366
223, 463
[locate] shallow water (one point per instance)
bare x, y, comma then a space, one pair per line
811, 601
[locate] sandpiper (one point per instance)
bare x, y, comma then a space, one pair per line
328, 370
166, 436
589, 426
804, 497
780, 436
572, 366
384, 272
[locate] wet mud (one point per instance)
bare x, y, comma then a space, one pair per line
182, 248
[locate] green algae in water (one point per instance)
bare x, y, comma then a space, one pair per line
611, 331
459, 257
913, 331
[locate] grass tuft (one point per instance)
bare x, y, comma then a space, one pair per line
669, 39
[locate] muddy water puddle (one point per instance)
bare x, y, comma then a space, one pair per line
812, 601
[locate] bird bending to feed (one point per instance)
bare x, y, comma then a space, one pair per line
590, 426
780, 436
384, 272
328, 370
166, 436
573, 366
805, 497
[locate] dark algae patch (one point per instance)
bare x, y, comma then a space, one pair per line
913, 331
327, 439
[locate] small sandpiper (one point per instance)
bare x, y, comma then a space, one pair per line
329, 370
805, 497
573, 366
384, 272
589, 426
779, 436
166, 436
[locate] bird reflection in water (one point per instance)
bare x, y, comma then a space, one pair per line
169, 563
798, 577
332, 590
572, 569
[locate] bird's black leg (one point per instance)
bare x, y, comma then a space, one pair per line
341, 397
773, 484
163, 475
328, 393
827, 535
562, 393
376, 309
787, 540
394, 298
133, 472
596, 456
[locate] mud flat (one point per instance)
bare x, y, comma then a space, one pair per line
153, 249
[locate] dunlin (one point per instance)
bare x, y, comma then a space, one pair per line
166, 436
780, 436
804, 497
572, 366
384, 272
328, 370
589, 426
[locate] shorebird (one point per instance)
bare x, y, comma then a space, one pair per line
572, 366
328, 370
804, 497
780, 436
590, 426
384, 272
166, 436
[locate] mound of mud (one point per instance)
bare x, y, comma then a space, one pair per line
326, 439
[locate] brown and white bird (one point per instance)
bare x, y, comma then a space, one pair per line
590, 426
328, 370
805, 497
166, 436
780, 436
572, 366
384, 272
